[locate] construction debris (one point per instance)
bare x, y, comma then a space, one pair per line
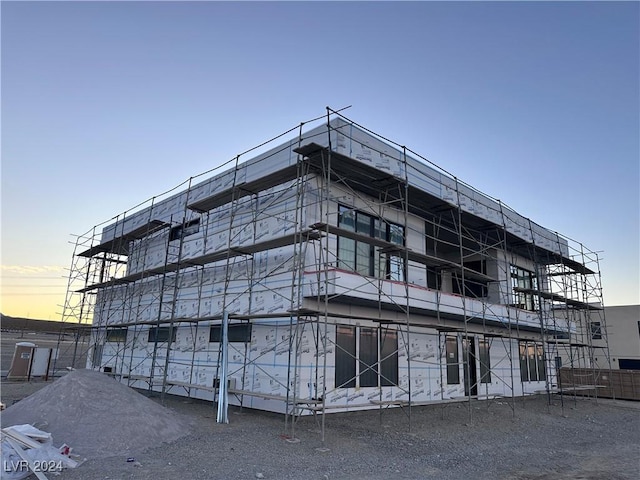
27, 450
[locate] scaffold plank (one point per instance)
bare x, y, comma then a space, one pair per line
120, 244
558, 298
244, 189
307, 235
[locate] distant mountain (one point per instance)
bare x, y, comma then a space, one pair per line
30, 324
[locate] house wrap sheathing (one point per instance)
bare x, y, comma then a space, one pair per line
350, 272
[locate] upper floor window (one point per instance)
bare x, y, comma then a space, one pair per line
596, 331
364, 258
188, 228
524, 286
471, 287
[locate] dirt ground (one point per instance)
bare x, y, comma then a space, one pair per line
579, 439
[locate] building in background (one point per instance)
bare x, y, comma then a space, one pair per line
349, 273
622, 336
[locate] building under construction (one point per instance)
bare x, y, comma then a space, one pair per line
333, 272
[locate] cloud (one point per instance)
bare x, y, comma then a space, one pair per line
32, 269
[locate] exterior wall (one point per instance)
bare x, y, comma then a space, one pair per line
623, 334
266, 369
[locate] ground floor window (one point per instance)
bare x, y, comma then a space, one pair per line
532, 362
629, 363
118, 334
96, 358
470, 359
366, 357
485, 361
237, 332
453, 362
162, 334
558, 361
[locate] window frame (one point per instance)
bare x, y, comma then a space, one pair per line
184, 230
484, 358
453, 359
161, 334
365, 258
357, 366
595, 329
525, 279
116, 335
532, 361
236, 333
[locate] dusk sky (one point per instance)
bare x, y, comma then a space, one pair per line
107, 104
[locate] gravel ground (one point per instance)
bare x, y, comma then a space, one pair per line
583, 439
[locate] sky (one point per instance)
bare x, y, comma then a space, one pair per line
106, 104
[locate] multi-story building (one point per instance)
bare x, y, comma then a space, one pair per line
348, 272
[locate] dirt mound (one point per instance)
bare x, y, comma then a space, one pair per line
97, 416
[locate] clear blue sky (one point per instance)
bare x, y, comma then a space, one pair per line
107, 104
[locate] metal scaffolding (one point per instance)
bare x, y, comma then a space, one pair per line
324, 256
